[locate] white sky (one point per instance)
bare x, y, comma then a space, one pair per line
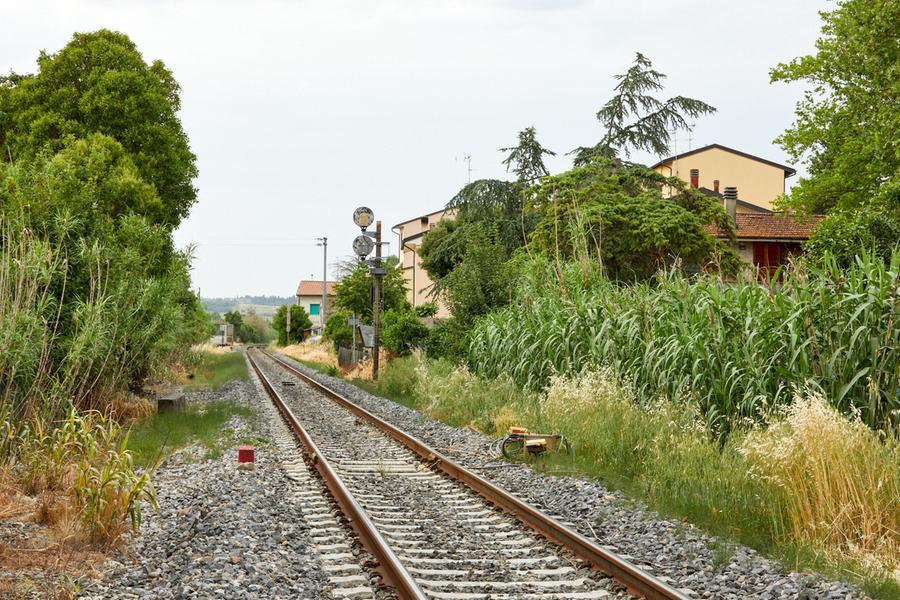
300, 111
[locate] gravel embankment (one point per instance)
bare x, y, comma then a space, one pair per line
220, 532
709, 567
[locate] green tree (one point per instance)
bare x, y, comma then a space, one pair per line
234, 318
617, 214
635, 119
99, 83
337, 329
527, 158
402, 331
846, 131
846, 234
353, 292
482, 281
300, 323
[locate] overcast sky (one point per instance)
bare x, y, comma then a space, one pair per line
300, 111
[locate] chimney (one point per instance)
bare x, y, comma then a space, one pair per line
716, 185
695, 178
731, 202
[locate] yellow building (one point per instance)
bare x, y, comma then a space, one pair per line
713, 168
418, 283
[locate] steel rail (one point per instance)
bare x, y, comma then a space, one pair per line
631, 576
393, 571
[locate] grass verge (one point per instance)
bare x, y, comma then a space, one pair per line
215, 370
202, 424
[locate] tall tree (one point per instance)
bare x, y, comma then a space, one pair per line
354, 291
99, 83
617, 214
846, 132
635, 119
527, 158
300, 322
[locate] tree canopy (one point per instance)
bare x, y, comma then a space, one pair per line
635, 119
527, 158
353, 292
99, 83
846, 131
300, 323
617, 214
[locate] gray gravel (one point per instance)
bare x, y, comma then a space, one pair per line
221, 532
690, 559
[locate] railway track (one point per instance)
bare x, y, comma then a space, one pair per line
435, 529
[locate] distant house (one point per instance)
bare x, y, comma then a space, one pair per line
765, 239
418, 282
309, 296
715, 167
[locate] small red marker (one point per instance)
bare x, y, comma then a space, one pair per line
245, 454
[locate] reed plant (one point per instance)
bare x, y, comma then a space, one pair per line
736, 350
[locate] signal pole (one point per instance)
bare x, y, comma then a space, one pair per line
376, 304
323, 241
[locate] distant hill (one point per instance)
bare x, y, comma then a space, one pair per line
264, 306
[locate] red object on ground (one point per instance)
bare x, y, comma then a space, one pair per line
245, 454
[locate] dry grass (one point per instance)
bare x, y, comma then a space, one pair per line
127, 408
312, 352
840, 480
210, 349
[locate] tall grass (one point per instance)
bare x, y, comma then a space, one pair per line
736, 350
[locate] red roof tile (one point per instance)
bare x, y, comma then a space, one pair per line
756, 226
311, 287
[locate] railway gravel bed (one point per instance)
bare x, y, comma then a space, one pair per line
454, 545
221, 532
690, 559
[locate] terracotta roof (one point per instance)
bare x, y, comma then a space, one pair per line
760, 226
312, 287
788, 171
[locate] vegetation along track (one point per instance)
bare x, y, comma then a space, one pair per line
435, 528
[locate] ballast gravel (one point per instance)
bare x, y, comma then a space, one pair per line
221, 532
691, 560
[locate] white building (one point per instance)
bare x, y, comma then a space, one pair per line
309, 296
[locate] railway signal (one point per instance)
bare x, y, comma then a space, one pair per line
363, 245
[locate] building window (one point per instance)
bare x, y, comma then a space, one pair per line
313, 310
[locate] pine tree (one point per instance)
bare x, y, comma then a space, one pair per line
635, 120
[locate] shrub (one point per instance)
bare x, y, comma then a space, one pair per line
337, 329
426, 309
402, 331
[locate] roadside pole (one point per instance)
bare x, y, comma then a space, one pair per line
287, 326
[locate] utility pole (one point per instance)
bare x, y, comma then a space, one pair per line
376, 304
323, 241
287, 325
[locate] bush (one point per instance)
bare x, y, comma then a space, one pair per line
300, 324
426, 309
402, 331
338, 331
447, 339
